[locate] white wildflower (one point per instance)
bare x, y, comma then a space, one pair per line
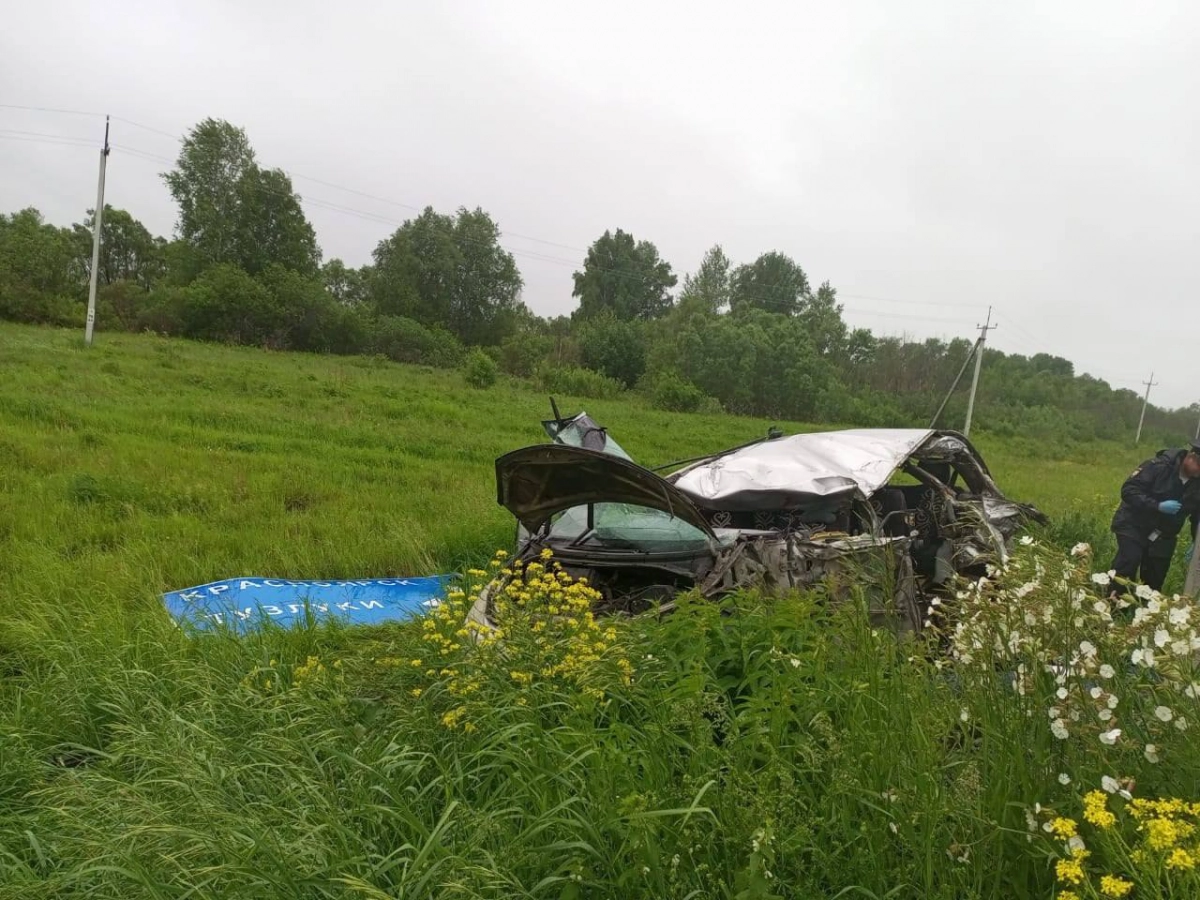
1064, 778
1151, 753
1075, 843
1101, 579
1081, 549
893, 827
1096, 692
1088, 649
1104, 715
1053, 712
1181, 723
1110, 737
795, 662
1107, 671
1164, 713
964, 715
1061, 693
1143, 657
1059, 728
1178, 615
1144, 592
1026, 541
1155, 604
1180, 648
1112, 701
1110, 784
1161, 637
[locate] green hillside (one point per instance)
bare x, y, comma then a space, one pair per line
784, 739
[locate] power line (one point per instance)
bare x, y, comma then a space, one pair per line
546, 258
359, 193
908, 302
35, 137
48, 109
764, 301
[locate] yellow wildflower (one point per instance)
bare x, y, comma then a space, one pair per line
1112, 886
1070, 870
1067, 895
416, 692
1095, 810
1063, 828
451, 719
1181, 859
1162, 834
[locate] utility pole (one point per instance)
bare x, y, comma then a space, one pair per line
983, 331
957, 378
98, 220
1145, 402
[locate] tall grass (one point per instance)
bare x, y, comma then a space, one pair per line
761, 747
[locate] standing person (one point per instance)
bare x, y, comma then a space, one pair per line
1155, 500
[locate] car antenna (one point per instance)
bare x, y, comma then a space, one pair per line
554, 409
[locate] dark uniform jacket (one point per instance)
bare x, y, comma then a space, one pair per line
1152, 482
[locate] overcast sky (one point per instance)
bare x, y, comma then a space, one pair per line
928, 159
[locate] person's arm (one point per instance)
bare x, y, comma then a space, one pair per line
1136, 489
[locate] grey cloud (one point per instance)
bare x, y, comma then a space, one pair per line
935, 157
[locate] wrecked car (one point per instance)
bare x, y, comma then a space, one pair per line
900, 511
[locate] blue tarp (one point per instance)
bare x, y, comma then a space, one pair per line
245, 603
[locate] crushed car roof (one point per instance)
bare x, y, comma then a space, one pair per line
817, 464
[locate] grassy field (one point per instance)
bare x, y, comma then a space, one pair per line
138, 763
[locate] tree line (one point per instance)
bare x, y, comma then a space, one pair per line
755, 337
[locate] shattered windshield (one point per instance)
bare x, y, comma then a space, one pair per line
615, 526
622, 526
583, 431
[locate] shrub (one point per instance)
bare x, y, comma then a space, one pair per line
614, 348
22, 304
670, 392
120, 305
405, 340
579, 382
226, 304
521, 354
480, 369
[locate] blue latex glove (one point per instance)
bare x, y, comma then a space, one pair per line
1169, 507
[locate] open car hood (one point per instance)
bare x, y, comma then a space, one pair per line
535, 483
